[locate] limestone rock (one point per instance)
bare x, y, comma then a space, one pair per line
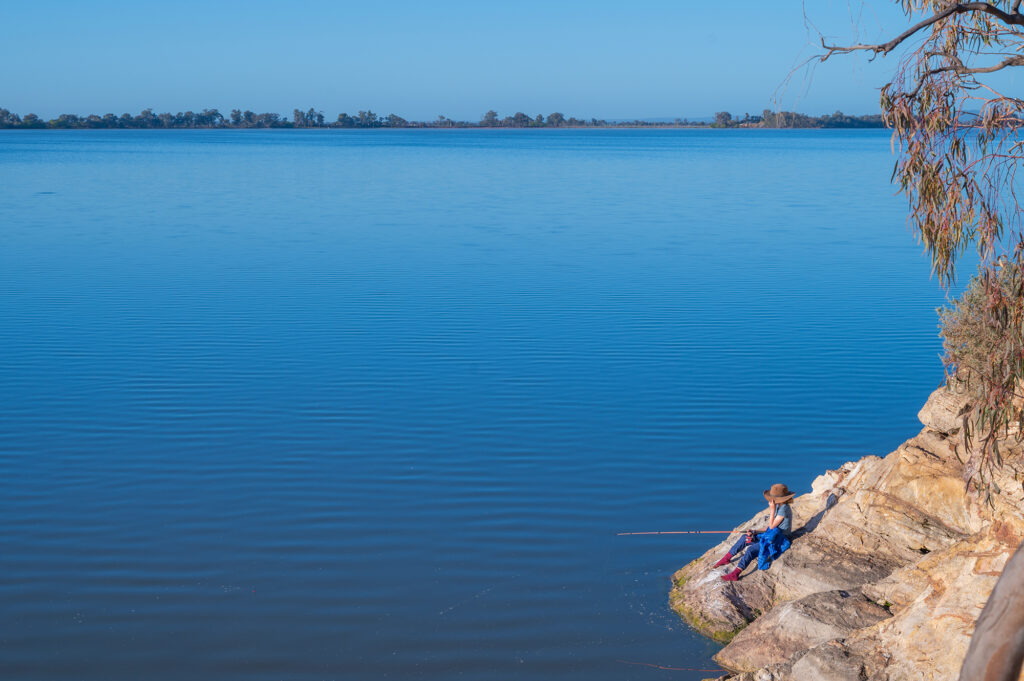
857, 526
916, 553
936, 625
796, 626
944, 411
831, 661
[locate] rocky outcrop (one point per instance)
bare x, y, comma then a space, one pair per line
796, 626
891, 563
944, 411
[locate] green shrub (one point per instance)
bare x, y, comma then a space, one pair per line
983, 340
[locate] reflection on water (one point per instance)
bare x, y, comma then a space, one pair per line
367, 405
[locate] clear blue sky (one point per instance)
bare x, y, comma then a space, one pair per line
420, 59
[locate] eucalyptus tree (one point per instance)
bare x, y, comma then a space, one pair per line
957, 131
368, 119
556, 120
211, 118
8, 119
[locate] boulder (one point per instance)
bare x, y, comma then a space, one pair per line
944, 411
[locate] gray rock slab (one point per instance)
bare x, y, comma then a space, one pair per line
798, 625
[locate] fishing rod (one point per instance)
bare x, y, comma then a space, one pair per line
623, 534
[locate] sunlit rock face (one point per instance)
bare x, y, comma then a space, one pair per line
891, 564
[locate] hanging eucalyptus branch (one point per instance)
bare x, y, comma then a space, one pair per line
958, 149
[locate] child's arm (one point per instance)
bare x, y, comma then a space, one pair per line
774, 518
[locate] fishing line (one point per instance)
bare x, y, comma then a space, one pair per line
672, 669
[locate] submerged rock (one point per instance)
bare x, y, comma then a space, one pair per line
891, 563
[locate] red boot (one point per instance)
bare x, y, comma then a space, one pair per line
725, 560
733, 576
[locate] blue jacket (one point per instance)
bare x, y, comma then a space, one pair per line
772, 544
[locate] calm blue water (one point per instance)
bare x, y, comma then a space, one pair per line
309, 405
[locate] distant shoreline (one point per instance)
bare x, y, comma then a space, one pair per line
463, 128
237, 119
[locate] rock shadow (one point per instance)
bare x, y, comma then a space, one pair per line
812, 524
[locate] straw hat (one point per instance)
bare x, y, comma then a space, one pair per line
779, 493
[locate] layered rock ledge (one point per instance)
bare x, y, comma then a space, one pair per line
891, 564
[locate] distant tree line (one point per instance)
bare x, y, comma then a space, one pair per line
311, 118
790, 119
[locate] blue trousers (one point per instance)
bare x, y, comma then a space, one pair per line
750, 555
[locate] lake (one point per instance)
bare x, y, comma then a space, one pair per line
322, 404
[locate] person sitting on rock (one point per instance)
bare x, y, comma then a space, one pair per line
771, 542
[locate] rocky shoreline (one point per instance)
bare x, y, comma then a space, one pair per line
892, 562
